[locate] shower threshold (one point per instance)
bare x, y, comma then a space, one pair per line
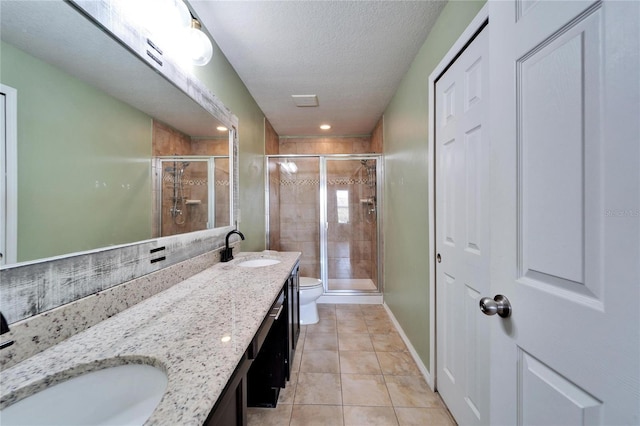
351, 284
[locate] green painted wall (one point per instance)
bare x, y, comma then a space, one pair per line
221, 79
406, 234
84, 162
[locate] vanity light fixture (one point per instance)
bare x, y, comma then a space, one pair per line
198, 45
325, 126
171, 27
222, 128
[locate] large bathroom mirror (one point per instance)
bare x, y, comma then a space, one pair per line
99, 133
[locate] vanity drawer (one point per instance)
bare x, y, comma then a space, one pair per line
274, 314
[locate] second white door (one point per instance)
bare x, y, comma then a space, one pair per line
462, 232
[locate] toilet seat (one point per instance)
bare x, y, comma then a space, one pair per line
309, 283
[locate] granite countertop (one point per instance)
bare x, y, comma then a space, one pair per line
178, 330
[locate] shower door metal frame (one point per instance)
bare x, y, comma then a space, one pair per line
323, 223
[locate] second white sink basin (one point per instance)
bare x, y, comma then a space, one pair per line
123, 395
255, 263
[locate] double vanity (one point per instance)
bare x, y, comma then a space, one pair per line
222, 337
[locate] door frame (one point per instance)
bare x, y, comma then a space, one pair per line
11, 163
478, 22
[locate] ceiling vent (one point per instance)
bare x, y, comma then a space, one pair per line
305, 100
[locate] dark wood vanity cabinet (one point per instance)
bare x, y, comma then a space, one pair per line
293, 285
266, 364
231, 407
272, 367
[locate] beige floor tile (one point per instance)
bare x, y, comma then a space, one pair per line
397, 363
376, 315
321, 342
348, 315
369, 416
372, 308
364, 390
297, 358
380, 326
355, 342
348, 307
391, 342
322, 326
320, 362
277, 416
316, 415
326, 307
289, 391
359, 362
411, 391
423, 416
318, 388
352, 326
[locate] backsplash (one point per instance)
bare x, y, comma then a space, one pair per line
39, 332
32, 288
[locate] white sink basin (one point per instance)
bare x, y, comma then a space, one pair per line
255, 263
122, 395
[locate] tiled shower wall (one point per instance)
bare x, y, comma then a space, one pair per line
170, 142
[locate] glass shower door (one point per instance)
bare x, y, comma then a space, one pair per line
294, 206
351, 225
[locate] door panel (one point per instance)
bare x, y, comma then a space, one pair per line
565, 223
546, 397
462, 233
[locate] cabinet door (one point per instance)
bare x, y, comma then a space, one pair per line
231, 407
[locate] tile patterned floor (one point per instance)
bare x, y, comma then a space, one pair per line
353, 369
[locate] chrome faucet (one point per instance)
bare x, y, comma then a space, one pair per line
227, 252
4, 328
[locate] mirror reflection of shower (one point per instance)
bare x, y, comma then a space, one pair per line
369, 202
176, 173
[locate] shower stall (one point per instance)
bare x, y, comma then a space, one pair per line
193, 194
328, 208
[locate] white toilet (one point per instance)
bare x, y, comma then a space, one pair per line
310, 290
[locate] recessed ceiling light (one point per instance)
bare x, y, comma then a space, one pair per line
222, 128
325, 126
226, 339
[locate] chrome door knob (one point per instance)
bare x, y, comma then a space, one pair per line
498, 305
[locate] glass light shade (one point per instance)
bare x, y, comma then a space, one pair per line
199, 47
167, 16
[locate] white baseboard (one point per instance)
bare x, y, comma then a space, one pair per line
412, 350
362, 299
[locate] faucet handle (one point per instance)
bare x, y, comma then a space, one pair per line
4, 326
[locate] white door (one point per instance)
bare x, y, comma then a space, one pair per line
462, 232
565, 179
3, 180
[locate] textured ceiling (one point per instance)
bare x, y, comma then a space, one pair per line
351, 54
